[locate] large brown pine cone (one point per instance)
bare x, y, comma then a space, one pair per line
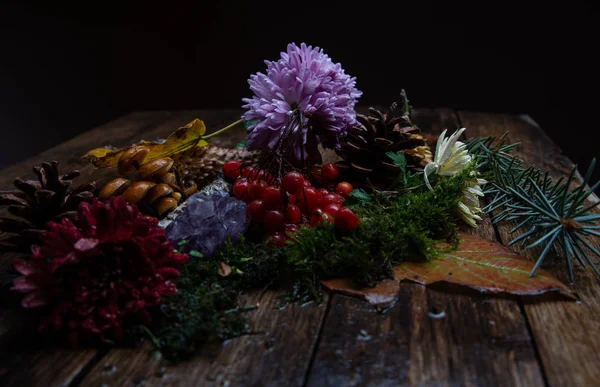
364, 150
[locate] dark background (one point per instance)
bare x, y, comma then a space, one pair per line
64, 70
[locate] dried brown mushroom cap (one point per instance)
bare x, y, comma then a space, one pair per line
155, 167
131, 159
137, 191
177, 196
113, 188
157, 192
165, 205
169, 178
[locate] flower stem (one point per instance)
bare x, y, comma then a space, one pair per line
155, 340
240, 309
222, 130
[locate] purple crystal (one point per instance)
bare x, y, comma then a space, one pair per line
208, 221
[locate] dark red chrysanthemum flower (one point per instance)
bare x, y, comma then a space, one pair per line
111, 264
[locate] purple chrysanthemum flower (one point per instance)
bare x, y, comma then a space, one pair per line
303, 92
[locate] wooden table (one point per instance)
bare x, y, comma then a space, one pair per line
343, 342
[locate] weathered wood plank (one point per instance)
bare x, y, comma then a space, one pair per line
278, 354
566, 333
49, 367
478, 341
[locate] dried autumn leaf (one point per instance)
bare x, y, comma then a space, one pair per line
382, 295
224, 269
478, 263
184, 138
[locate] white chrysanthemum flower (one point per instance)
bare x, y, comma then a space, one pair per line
451, 157
468, 207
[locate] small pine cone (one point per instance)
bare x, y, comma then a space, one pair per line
200, 166
36, 202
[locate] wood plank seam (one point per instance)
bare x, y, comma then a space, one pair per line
455, 114
313, 355
88, 367
536, 350
519, 300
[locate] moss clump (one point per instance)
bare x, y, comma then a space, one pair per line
203, 309
389, 232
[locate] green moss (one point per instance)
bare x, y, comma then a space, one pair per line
390, 231
200, 312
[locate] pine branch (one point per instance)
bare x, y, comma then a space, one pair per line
549, 214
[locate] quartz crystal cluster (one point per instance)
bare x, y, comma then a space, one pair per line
208, 221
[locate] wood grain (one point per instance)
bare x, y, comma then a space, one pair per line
566, 333
47, 367
476, 340
277, 354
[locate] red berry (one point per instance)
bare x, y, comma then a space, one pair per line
329, 186
320, 217
245, 172
332, 209
292, 181
306, 183
291, 228
345, 219
292, 213
272, 196
276, 239
311, 198
316, 213
292, 198
256, 210
231, 170
252, 173
267, 177
330, 199
240, 189
256, 189
315, 171
259, 174
330, 172
323, 192
343, 188
274, 220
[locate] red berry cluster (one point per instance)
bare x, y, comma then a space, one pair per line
281, 207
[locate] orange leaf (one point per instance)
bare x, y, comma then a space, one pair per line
478, 263
224, 269
184, 138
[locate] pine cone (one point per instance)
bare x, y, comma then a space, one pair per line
36, 202
364, 148
200, 166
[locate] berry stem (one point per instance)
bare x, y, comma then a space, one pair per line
222, 130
